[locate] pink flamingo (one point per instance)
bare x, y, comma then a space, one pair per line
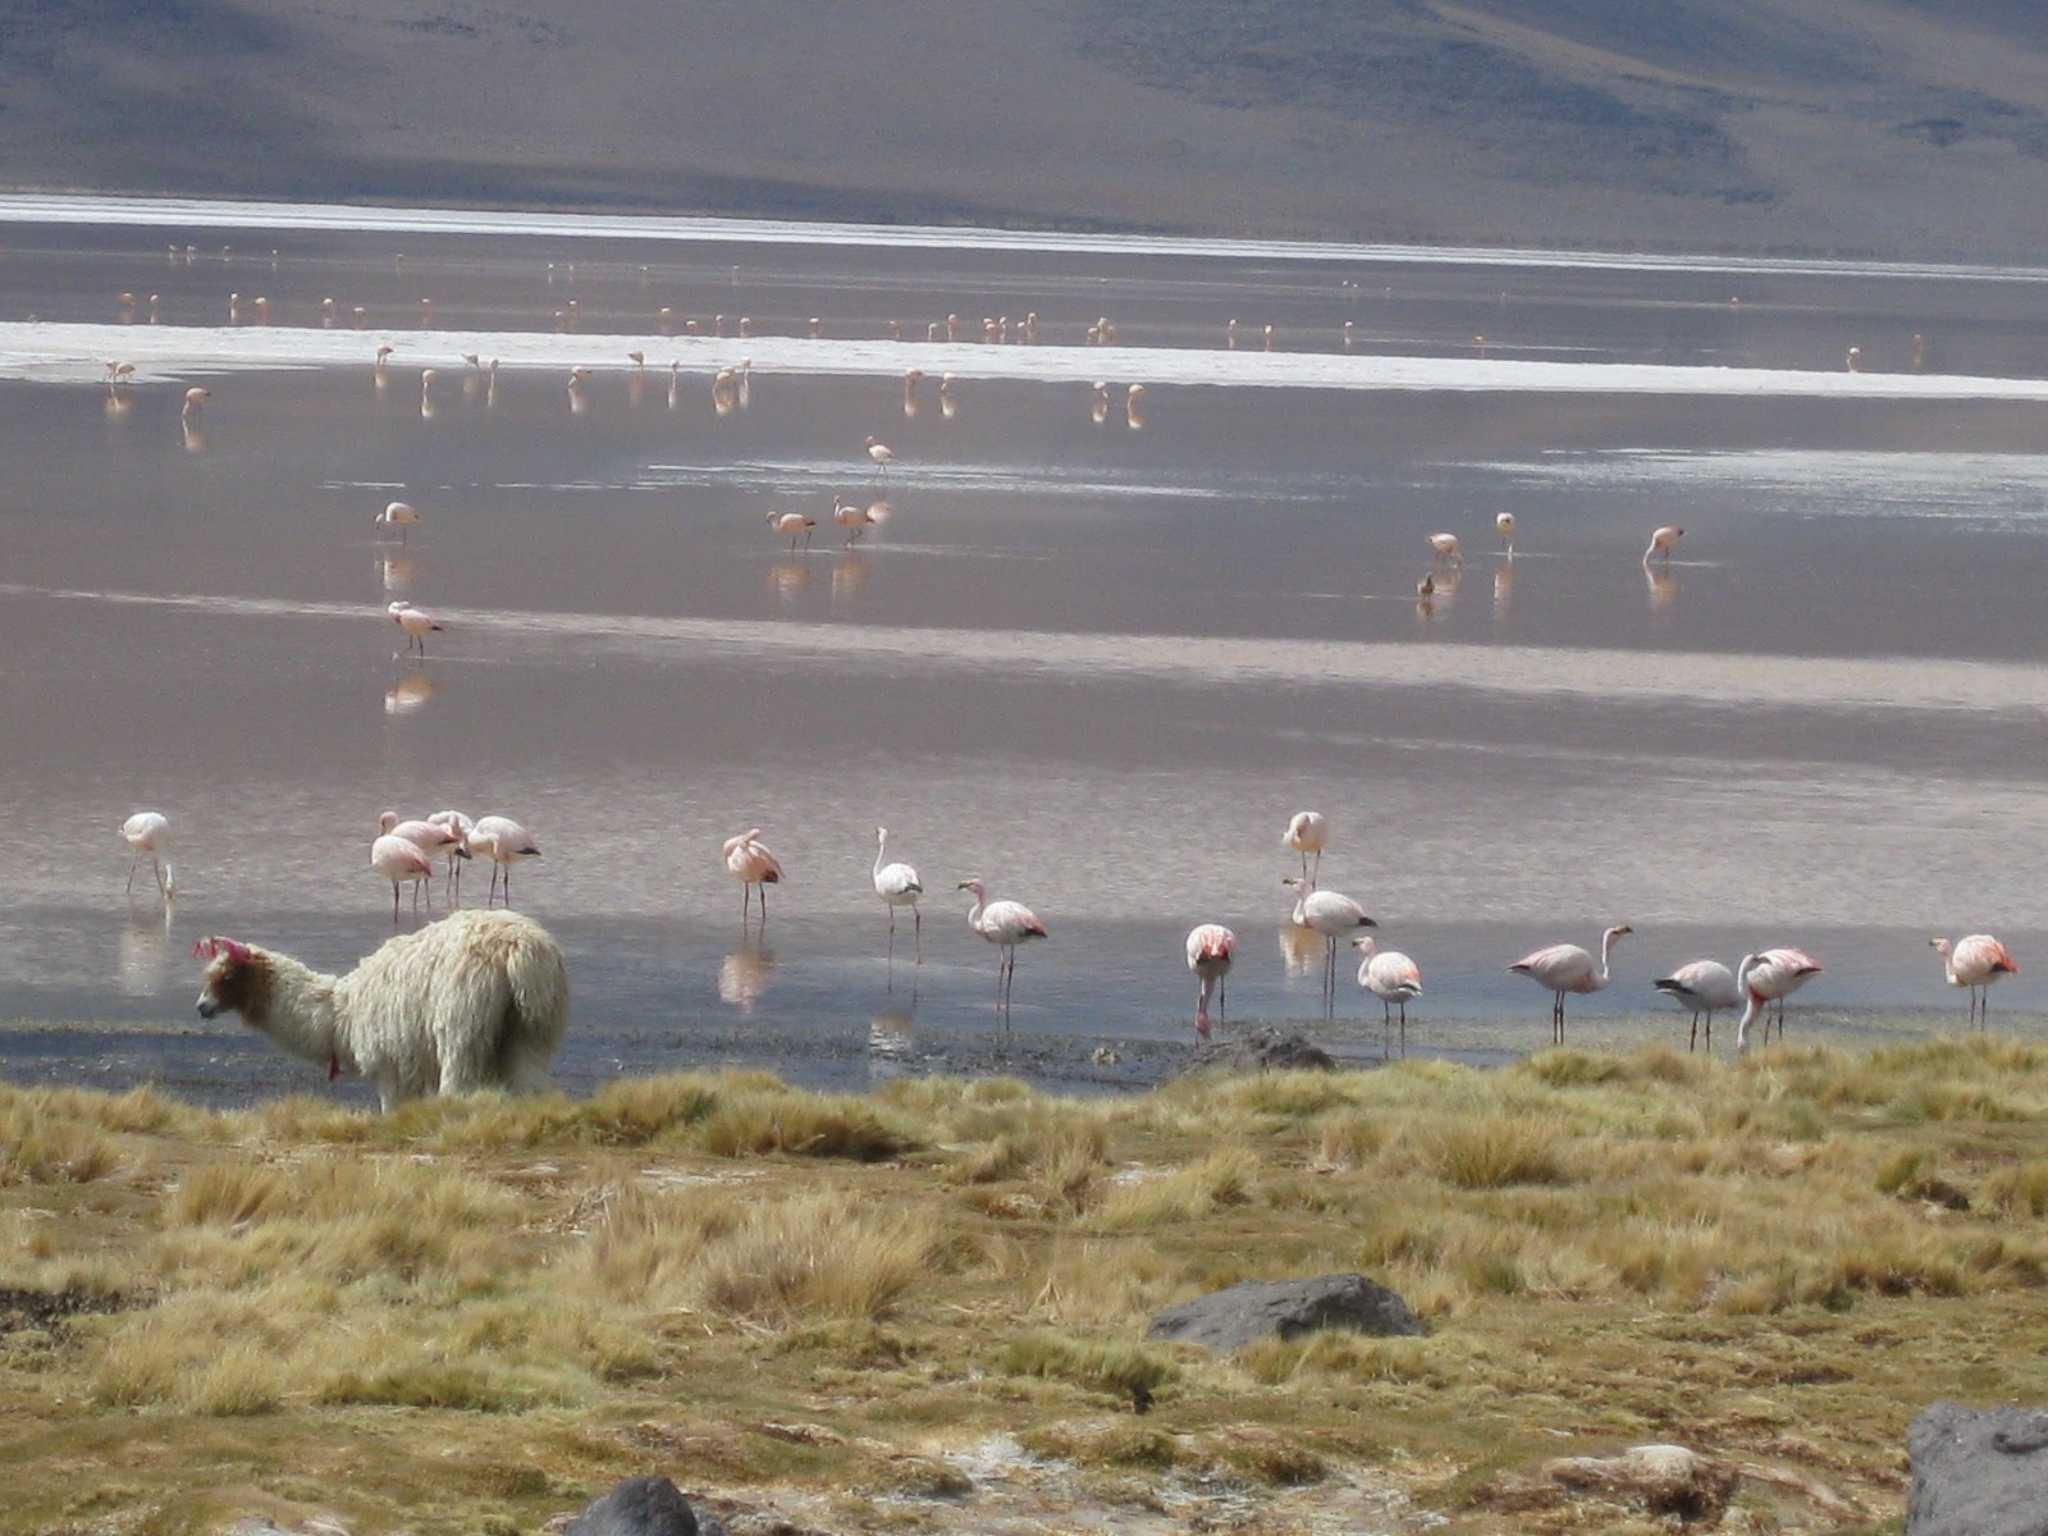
148, 834
399, 860
1211, 949
416, 622
1976, 962
1391, 977
1662, 542
1769, 977
1307, 833
1564, 968
505, 843
1332, 915
1005, 924
748, 861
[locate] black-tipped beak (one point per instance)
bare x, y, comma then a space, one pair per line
208, 1008
1366, 922
464, 853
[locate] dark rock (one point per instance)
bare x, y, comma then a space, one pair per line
1266, 1050
640, 1506
1978, 1473
1243, 1314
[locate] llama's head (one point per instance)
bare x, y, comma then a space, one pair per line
237, 980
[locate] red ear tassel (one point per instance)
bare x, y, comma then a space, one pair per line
214, 948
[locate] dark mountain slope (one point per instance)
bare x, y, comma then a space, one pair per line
1901, 129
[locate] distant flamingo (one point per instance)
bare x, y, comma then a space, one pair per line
505, 843
437, 840
1391, 977
791, 524
1661, 544
1307, 833
1211, 949
1134, 407
149, 833
398, 860
416, 622
1005, 924
1978, 961
854, 519
898, 886
1505, 523
194, 399
399, 515
1566, 968
1771, 976
1098, 409
1333, 915
748, 861
881, 454
1446, 547
1706, 987
461, 826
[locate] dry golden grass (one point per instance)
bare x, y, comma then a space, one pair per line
475, 1312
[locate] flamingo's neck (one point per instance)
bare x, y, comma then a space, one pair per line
881, 848
1606, 949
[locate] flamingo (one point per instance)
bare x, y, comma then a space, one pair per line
1446, 547
1704, 986
1307, 833
399, 515
1505, 522
435, 839
1771, 976
1134, 407
149, 832
461, 826
853, 519
399, 860
416, 622
1005, 924
882, 455
1662, 543
1332, 915
949, 395
1853, 360
1211, 949
505, 843
1098, 410
1974, 962
898, 886
1391, 977
1564, 968
748, 861
792, 524
194, 399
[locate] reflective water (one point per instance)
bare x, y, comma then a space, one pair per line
1097, 666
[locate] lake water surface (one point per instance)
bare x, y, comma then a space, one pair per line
1097, 666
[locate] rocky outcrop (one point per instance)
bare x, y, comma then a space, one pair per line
1978, 1472
1285, 1309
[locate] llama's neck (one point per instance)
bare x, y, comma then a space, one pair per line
294, 1005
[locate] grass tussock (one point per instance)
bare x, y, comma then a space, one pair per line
813, 1256
1115, 1366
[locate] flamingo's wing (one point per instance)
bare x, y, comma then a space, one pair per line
1397, 972
1557, 965
1981, 950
